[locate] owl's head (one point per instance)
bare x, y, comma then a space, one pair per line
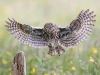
49, 27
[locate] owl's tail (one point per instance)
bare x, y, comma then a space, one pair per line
57, 50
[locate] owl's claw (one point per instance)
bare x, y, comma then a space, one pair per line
54, 52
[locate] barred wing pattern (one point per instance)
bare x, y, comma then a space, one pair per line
78, 30
26, 34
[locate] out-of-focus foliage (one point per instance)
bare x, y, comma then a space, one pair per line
81, 60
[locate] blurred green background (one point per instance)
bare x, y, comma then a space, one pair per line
81, 60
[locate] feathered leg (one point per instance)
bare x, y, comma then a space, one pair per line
57, 50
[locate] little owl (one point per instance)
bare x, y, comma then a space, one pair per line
53, 36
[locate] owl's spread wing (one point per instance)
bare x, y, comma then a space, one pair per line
78, 30
26, 34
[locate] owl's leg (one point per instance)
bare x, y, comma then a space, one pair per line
57, 50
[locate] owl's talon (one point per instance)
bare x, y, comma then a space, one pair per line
54, 52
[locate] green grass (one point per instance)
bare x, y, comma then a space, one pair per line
80, 60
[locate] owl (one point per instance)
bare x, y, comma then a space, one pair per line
53, 36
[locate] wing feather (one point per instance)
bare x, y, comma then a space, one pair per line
26, 34
79, 29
